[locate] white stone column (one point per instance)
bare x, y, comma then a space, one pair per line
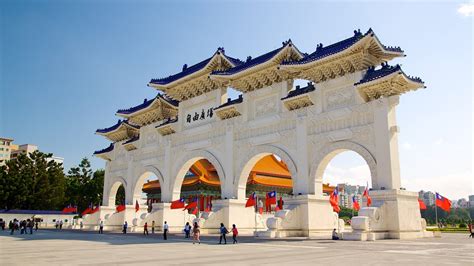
386, 144
301, 181
228, 165
167, 191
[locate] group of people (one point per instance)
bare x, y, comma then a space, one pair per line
23, 226
188, 229
59, 224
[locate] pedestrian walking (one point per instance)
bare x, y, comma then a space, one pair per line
2, 224
81, 225
30, 226
235, 232
145, 229
125, 225
196, 233
57, 224
471, 233
36, 226
187, 230
60, 224
334, 235
152, 227
223, 231
11, 226
165, 231
101, 227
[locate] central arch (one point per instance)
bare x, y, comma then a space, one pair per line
328, 152
185, 163
146, 173
249, 161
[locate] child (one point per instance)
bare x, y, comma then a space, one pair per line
235, 232
196, 233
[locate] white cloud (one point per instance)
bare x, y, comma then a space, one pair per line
454, 186
466, 9
439, 141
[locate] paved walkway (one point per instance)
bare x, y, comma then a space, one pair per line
75, 247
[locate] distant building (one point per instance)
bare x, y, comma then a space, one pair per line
5, 149
428, 197
23, 149
471, 200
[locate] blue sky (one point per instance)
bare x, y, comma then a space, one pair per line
66, 67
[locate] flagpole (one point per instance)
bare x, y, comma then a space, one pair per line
255, 214
436, 213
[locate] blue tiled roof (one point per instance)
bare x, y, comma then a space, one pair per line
385, 70
298, 91
145, 104
251, 62
32, 212
230, 102
194, 68
110, 148
114, 127
132, 140
168, 121
335, 48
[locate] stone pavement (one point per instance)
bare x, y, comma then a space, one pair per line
76, 247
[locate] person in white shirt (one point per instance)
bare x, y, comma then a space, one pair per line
165, 231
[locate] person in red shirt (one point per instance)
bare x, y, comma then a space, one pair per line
235, 232
145, 229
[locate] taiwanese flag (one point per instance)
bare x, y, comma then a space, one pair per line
191, 205
177, 204
366, 194
88, 210
333, 199
250, 201
443, 202
271, 198
195, 211
422, 204
137, 206
355, 204
96, 209
120, 208
69, 209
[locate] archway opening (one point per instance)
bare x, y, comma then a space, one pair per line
199, 183
267, 173
349, 173
120, 195
148, 190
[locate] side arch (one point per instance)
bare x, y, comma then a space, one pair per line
328, 152
183, 165
145, 173
113, 187
251, 158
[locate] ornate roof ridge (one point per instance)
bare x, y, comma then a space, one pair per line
146, 103
117, 125
334, 48
108, 149
194, 68
230, 102
385, 70
298, 90
251, 62
134, 138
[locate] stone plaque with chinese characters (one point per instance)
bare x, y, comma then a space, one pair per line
199, 116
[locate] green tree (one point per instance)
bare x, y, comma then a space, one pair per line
83, 186
120, 197
32, 181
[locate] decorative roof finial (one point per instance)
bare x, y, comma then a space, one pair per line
319, 47
249, 58
144, 101
185, 66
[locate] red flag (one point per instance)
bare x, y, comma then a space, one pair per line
86, 211
270, 198
443, 202
195, 211
69, 209
333, 199
260, 210
191, 205
177, 204
137, 206
96, 209
250, 201
277, 208
120, 208
355, 204
422, 204
366, 194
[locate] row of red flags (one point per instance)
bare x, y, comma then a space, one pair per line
442, 202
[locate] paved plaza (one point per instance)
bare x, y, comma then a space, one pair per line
73, 247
